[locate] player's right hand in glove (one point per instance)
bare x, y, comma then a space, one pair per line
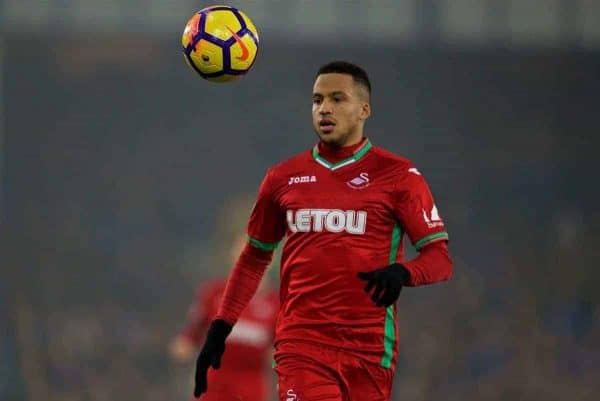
387, 283
211, 353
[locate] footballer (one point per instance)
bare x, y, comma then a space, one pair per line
344, 208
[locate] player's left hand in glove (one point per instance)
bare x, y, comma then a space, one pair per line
211, 353
387, 283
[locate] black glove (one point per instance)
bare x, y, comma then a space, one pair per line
387, 281
212, 351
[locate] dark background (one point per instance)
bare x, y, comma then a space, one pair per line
118, 161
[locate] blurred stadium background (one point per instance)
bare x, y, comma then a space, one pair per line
117, 162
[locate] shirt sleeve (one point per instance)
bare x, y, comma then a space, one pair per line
416, 210
243, 282
432, 265
266, 226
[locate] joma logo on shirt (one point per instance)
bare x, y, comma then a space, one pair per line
331, 220
302, 179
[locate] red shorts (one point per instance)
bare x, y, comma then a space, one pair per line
309, 372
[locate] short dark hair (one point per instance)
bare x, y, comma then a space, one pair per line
343, 67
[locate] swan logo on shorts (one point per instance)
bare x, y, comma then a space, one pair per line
330, 220
291, 395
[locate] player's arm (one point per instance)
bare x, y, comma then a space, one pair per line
420, 219
265, 229
433, 264
418, 216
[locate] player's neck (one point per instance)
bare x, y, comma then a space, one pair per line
334, 153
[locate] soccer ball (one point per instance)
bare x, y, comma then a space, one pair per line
220, 43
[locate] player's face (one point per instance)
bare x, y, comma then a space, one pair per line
339, 109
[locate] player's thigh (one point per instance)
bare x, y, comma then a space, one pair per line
302, 378
231, 394
366, 381
225, 385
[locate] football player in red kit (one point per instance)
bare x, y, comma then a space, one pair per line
245, 372
345, 207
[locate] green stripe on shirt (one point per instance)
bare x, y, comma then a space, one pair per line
389, 336
419, 244
265, 246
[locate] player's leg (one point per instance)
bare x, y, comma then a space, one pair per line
306, 377
226, 385
250, 386
365, 381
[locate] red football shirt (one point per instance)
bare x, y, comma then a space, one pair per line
340, 219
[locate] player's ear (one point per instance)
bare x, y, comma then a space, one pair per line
365, 111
